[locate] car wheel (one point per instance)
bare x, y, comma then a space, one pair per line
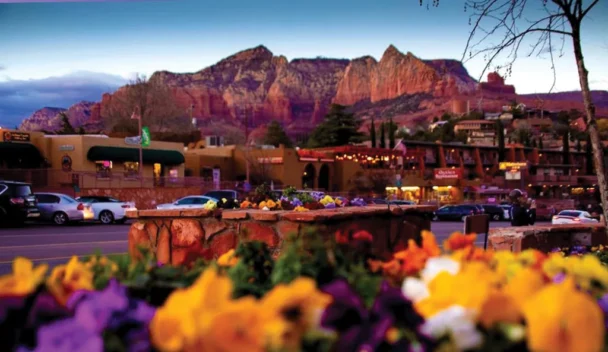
106, 217
463, 218
60, 218
496, 217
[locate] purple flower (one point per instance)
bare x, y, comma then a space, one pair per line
344, 201
578, 250
330, 205
358, 202
559, 278
363, 330
68, 335
603, 303
296, 202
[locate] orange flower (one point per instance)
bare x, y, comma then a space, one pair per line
245, 204
499, 308
459, 241
429, 244
375, 265
473, 254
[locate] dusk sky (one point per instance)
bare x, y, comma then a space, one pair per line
56, 54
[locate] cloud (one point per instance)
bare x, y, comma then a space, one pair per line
2, 68
20, 98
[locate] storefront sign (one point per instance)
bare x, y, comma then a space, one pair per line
510, 165
443, 174
309, 159
16, 136
273, 160
66, 163
66, 148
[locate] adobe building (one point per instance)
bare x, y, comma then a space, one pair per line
86, 161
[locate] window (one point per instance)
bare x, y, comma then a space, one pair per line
47, 198
103, 168
199, 200
131, 169
68, 199
3, 188
184, 201
22, 191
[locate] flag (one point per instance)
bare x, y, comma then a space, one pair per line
135, 116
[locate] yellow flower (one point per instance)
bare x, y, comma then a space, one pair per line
224, 200
556, 264
270, 204
237, 327
338, 202
523, 286
587, 269
24, 279
300, 208
65, 279
102, 261
469, 288
297, 307
326, 200
262, 205
187, 315
210, 205
228, 259
561, 318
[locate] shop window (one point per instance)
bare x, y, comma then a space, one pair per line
103, 169
173, 174
131, 169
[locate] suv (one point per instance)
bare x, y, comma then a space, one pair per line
17, 203
496, 212
456, 212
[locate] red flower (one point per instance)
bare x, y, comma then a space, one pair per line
341, 237
363, 236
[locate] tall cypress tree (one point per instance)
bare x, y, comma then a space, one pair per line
382, 137
372, 133
391, 134
500, 132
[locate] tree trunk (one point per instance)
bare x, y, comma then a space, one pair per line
596, 143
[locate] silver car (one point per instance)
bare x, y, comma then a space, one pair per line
62, 209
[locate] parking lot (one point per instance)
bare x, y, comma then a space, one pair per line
56, 244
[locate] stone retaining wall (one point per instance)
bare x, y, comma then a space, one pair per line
547, 237
181, 236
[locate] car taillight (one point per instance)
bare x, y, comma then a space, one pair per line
576, 219
80, 206
17, 201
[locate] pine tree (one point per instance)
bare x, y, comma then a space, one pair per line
382, 136
66, 126
275, 135
339, 128
372, 133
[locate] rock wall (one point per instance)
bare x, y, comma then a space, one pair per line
546, 238
179, 237
144, 198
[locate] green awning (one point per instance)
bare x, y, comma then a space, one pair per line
23, 154
150, 156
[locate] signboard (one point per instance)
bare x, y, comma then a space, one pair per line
145, 133
216, 178
447, 174
510, 165
66, 147
16, 136
273, 160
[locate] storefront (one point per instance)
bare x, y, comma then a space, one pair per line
17, 150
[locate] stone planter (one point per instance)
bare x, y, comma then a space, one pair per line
546, 237
179, 237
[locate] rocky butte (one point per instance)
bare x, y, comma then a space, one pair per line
254, 86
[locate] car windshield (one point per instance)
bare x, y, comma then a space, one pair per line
570, 213
22, 191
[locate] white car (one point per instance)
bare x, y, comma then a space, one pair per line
190, 202
107, 209
573, 217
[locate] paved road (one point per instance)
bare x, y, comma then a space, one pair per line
55, 245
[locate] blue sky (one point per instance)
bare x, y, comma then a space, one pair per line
56, 54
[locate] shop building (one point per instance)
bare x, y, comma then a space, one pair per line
87, 161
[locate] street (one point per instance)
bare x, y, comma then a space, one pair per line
56, 245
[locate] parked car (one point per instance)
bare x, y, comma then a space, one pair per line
573, 217
543, 212
190, 202
107, 209
17, 203
496, 212
455, 212
62, 209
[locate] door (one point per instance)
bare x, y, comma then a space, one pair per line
48, 205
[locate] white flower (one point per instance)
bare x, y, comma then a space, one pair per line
457, 322
265, 208
436, 265
415, 289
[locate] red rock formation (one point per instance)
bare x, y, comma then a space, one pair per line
496, 85
357, 82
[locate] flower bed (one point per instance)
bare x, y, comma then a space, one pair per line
318, 295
